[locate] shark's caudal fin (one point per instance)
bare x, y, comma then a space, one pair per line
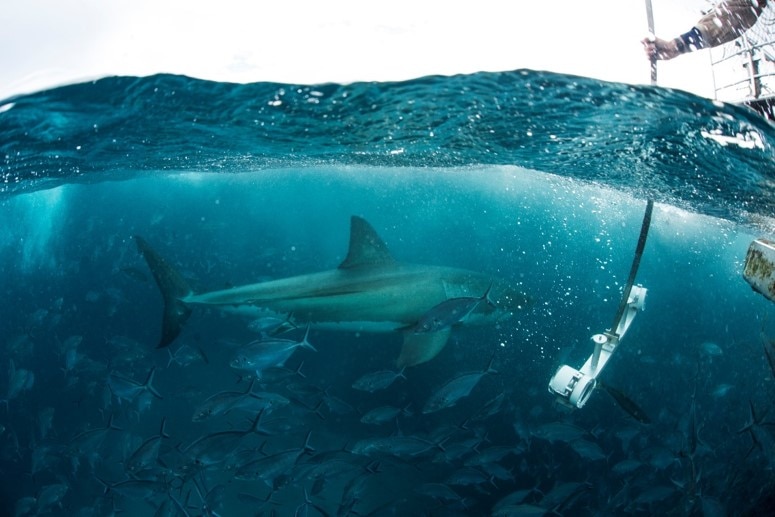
172, 287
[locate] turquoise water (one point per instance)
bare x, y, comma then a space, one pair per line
537, 179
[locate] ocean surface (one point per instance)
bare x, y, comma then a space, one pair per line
537, 181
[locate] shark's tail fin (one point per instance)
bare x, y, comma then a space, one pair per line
173, 287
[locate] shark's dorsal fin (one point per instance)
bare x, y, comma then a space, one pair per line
366, 247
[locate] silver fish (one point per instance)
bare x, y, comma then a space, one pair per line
271, 325
89, 440
270, 467
559, 432
267, 353
128, 389
50, 496
381, 415
186, 355
45, 421
214, 448
456, 389
146, 456
19, 381
379, 380
221, 403
451, 311
399, 446
70, 352
251, 402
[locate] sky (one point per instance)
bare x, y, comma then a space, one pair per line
48, 43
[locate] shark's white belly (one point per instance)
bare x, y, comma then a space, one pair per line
251, 312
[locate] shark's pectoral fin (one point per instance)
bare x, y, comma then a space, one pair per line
419, 348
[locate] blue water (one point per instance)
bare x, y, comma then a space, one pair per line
535, 178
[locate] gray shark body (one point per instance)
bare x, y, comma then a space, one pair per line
369, 292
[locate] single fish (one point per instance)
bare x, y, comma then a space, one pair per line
626, 466
379, 380
769, 352
626, 403
251, 402
267, 353
456, 389
269, 468
398, 446
587, 449
336, 405
136, 488
45, 421
451, 311
439, 491
711, 349
214, 448
70, 352
89, 441
271, 325
382, 414
50, 496
146, 456
722, 390
186, 355
46, 458
127, 389
19, 381
559, 432
221, 403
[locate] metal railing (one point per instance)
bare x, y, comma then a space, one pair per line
744, 70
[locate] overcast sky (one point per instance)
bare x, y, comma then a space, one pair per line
47, 43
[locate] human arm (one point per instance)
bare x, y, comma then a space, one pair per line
724, 23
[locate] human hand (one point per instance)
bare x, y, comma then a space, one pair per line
658, 48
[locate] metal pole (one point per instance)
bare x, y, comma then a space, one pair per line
652, 35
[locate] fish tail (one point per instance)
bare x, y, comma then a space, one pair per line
148, 384
305, 342
255, 428
106, 486
253, 383
317, 411
490, 369
163, 429
299, 372
203, 355
111, 425
307, 447
173, 287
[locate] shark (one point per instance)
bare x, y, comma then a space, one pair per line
370, 291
